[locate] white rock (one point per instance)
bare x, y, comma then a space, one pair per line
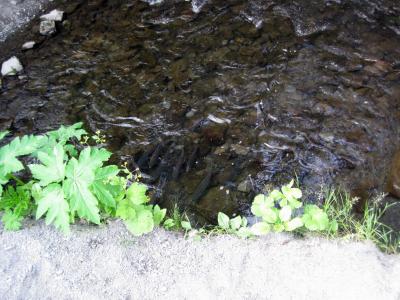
11, 67
54, 15
28, 45
153, 2
218, 120
47, 27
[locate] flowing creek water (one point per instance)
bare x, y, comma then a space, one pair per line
216, 101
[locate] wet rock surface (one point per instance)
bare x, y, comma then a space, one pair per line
238, 94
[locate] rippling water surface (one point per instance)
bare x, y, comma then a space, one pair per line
218, 100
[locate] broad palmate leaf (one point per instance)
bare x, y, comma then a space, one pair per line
18, 147
52, 168
80, 176
53, 203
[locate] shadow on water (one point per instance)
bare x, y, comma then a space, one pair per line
216, 101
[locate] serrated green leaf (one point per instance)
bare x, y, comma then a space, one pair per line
103, 194
125, 210
136, 193
17, 147
17, 199
54, 205
141, 224
52, 168
260, 228
101, 187
168, 223
223, 221
71, 150
158, 215
106, 173
11, 221
80, 176
235, 223
63, 134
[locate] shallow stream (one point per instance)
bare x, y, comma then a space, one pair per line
216, 101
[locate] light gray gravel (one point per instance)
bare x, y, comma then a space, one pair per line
108, 263
16, 13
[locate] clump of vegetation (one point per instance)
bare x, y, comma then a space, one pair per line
236, 225
339, 206
280, 211
70, 180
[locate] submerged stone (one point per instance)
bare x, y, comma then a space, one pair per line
11, 67
244, 186
47, 27
54, 15
28, 45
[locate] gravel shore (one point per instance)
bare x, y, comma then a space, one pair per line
108, 263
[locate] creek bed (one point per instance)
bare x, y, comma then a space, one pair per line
218, 101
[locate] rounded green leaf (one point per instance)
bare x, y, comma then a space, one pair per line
235, 223
244, 232
275, 195
270, 215
260, 228
296, 193
294, 224
223, 220
285, 213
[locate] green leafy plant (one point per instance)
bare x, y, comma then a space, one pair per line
64, 185
279, 211
139, 217
236, 225
17, 204
366, 226
276, 210
315, 219
9, 153
177, 221
71, 180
